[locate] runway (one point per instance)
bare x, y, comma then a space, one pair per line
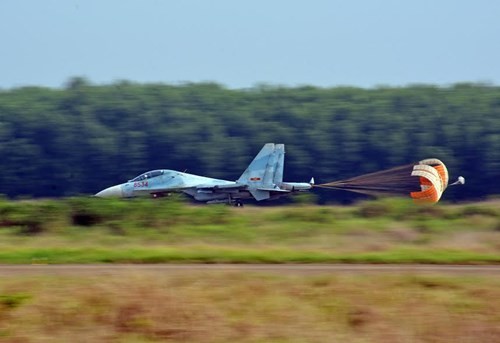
299, 269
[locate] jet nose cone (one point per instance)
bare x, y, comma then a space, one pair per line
111, 192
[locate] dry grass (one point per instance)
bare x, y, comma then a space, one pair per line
249, 307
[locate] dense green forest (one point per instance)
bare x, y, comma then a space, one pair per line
84, 137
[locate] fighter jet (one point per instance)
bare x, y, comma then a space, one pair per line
262, 180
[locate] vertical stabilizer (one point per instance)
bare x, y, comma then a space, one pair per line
254, 175
280, 164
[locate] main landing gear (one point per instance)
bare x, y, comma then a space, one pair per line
234, 202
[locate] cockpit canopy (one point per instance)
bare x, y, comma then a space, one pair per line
148, 175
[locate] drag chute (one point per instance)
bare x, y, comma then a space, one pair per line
424, 181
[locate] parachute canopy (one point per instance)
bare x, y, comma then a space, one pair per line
424, 181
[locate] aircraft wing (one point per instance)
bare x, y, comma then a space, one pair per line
221, 186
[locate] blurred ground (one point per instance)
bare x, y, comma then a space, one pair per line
81, 270
249, 306
292, 269
86, 230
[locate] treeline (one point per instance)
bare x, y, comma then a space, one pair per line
84, 137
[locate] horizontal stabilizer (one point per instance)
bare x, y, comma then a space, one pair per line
259, 194
273, 190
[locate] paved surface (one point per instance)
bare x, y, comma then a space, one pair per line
116, 269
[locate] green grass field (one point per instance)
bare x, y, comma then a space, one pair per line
242, 306
89, 230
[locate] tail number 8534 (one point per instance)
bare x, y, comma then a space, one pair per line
140, 184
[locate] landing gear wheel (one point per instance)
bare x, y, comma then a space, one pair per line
238, 203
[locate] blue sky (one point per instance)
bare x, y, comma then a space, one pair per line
243, 43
